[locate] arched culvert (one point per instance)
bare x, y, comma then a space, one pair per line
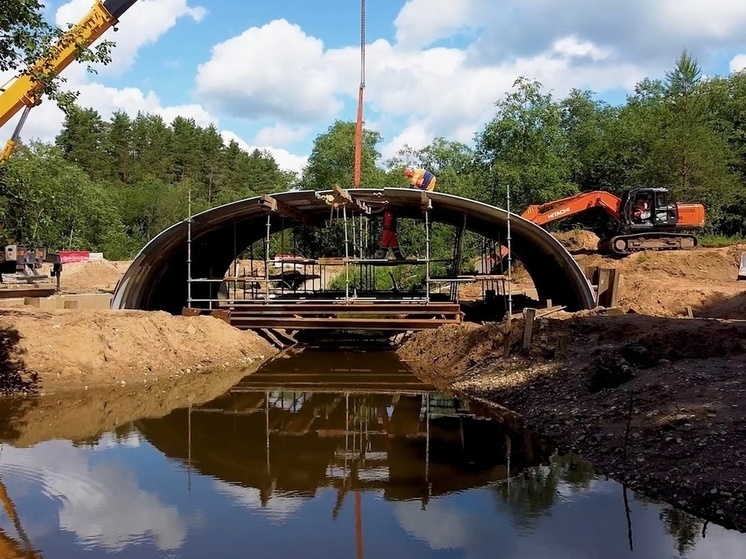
156, 279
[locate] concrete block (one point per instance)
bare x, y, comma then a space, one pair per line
89, 301
742, 268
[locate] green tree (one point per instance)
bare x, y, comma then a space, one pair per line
587, 125
119, 146
697, 157
83, 140
53, 203
524, 147
332, 159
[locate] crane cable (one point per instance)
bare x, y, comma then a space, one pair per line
359, 124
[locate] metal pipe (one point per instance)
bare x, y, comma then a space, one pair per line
347, 256
266, 259
189, 248
427, 254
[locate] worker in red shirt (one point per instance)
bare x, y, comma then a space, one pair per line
389, 240
421, 178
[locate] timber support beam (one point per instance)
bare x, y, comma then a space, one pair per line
272, 204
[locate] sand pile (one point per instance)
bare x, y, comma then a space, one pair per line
93, 276
74, 349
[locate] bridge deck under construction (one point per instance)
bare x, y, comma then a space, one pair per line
366, 315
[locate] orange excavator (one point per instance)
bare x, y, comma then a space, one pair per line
650, 218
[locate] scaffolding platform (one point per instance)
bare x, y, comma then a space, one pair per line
369, 315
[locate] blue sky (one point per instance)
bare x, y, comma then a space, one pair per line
276, 74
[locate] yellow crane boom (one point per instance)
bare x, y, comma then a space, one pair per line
25, 91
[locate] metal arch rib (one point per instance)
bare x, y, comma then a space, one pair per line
155, 278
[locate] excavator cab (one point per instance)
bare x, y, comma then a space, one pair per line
648, 208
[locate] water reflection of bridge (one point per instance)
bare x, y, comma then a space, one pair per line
287, 432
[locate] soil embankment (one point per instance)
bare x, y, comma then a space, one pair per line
666, 283
74, 350
654, 402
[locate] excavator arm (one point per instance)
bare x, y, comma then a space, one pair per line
25, 91
542, 214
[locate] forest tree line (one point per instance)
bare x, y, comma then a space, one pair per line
111, 185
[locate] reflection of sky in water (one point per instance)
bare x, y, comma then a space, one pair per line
124, 497
96, 499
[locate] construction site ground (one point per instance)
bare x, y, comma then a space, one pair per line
650, 397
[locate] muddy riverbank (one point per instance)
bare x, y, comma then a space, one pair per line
654, 402
71, 350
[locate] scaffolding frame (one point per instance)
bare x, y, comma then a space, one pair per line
358, 244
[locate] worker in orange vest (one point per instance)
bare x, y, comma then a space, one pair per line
421, 178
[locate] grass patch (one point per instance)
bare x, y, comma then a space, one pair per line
715, 241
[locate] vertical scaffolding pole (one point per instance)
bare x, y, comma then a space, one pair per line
266, 260
347, 256
427, 254
510, 260
189, 248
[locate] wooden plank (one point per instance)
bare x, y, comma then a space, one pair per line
339, 323
259, 309
529, 315
23, 292
591, 274
342, 196
224, 315
604, 281
614, 279
186, 311
561, 347
274, 205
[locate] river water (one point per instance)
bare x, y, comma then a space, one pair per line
328, 454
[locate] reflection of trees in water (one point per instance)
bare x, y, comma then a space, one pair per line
119, 435
683, 527
536, 490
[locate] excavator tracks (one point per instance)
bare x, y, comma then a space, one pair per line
623, 245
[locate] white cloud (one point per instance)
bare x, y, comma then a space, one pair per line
143, 24
440, 526
271, 72
738, 63
574, 48
420, 22
278, 508
100, 503
285, 160
281, 135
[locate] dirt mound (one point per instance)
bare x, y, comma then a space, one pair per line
665, 283
578, 240
74, 349
92, 276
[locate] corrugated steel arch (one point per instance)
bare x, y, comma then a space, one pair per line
156, 279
